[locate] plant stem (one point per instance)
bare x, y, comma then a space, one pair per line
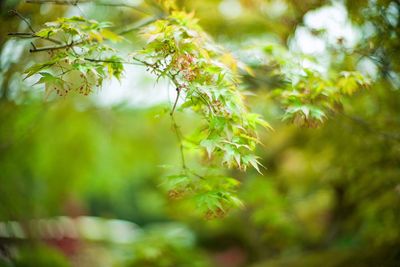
179, 137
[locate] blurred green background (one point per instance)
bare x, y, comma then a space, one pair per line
80, 176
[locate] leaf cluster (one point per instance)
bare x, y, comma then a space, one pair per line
82, 60
207, 81
307, 95
213, 195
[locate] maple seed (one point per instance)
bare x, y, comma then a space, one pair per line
213, 214
175, 194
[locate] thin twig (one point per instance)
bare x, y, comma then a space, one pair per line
142, 62
74, 3
179, 137
57, 2
123, 5
31, 35
33, 45
138, 25
28, 34
80, 10
15, 12
111, 61
370, 128
56, 47
178, 93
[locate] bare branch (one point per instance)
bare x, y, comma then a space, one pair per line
370, 128
33, 45
16, 13
55, 47
122, 5
111, 61
27, 34
32, 35
138, 25
76, 2
58, 2
178, 93
179, 137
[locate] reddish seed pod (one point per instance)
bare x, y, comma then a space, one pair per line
173, 194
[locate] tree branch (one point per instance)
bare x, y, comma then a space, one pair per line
32, 35
58, 2
138, 25
178, 93
179, 137
16, 13
122, 5
76, 2
56, 47
111, 61
360, 121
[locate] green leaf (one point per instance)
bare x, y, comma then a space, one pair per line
37, 67
176, 181
209, 145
